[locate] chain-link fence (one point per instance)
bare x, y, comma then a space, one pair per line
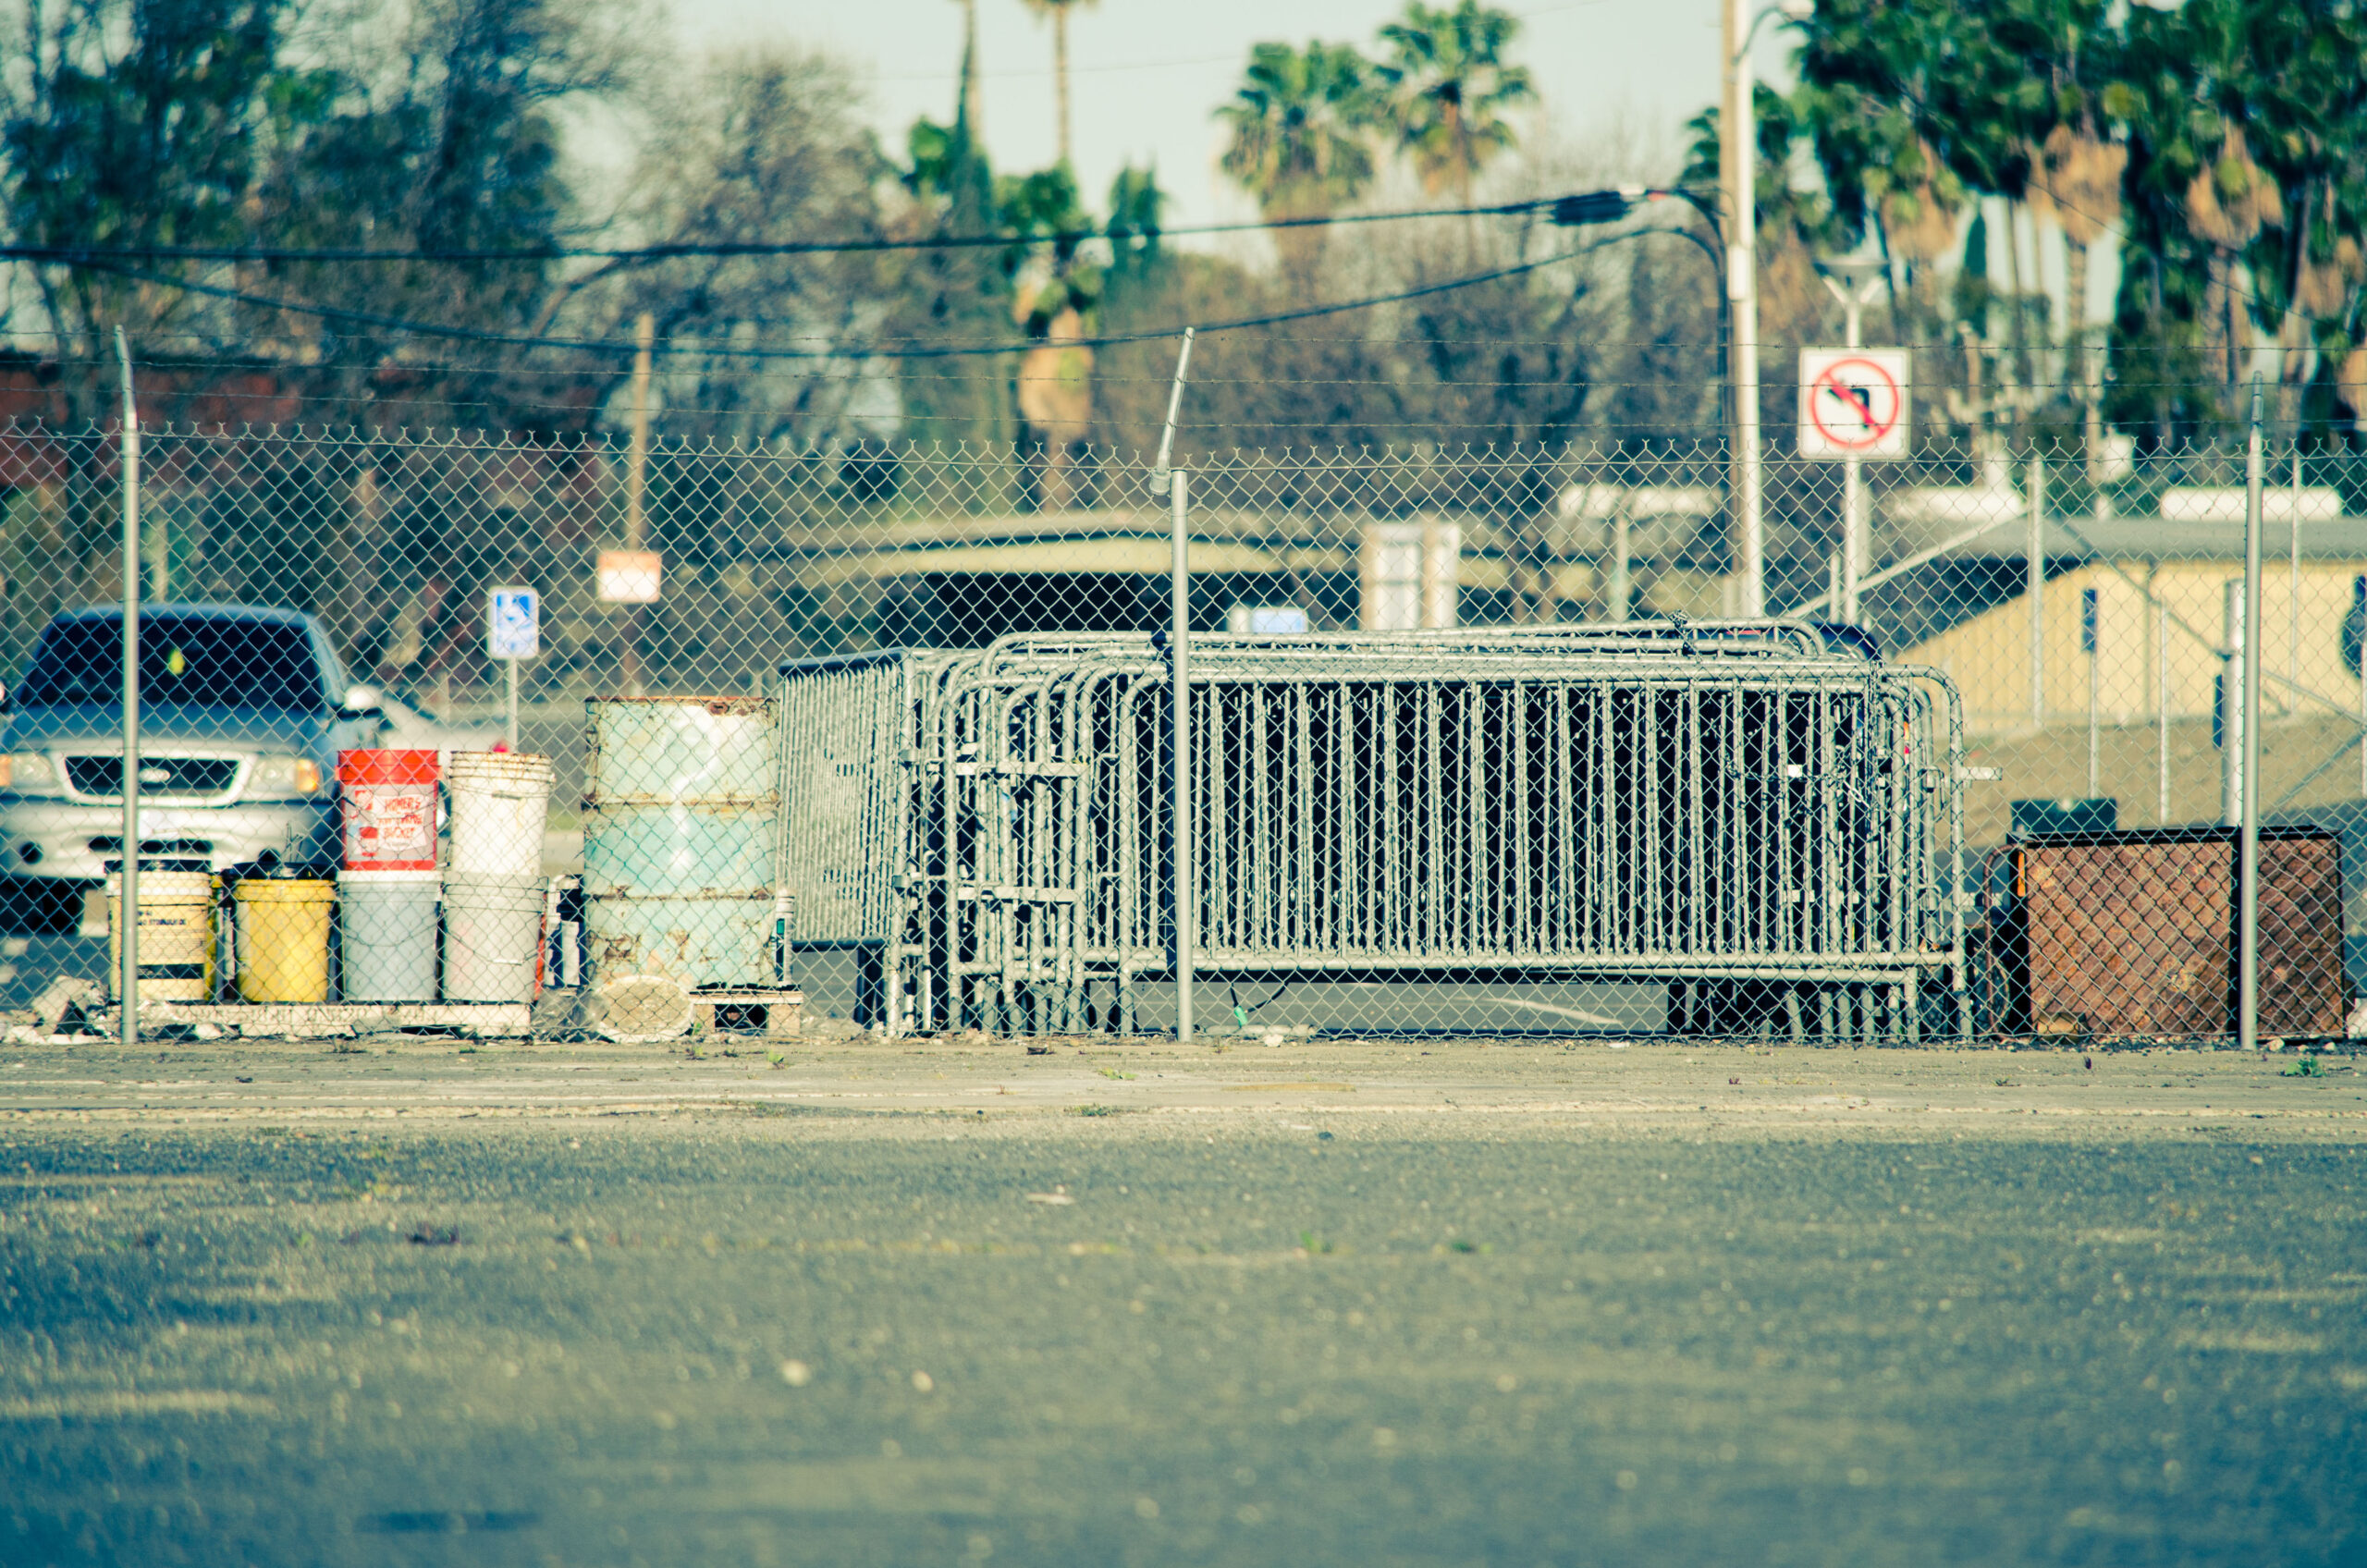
1477, 740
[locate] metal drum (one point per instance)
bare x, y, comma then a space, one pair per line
678, 839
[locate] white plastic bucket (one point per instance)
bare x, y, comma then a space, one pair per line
386, 935
493, 936
499, 802
176, 935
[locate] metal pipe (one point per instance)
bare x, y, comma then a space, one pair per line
1174, 406
1183, 836
127, 884
2248, 983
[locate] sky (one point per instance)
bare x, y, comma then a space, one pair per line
1148, 73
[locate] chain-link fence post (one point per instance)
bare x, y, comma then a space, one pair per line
1184, 836
2162, 730
127, 919
2247, 874
2235, 658
2034, 580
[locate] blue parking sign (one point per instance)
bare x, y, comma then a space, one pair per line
513, 624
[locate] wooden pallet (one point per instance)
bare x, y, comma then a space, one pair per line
330, 1020
780, 1014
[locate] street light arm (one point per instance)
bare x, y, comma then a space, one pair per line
1707, 206
1790, 10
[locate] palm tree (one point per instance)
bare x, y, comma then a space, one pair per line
1448, 88
1058, 11
965, 99
2075, 177
1300, 121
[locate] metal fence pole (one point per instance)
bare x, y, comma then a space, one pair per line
2091, 640
128, 901
1620, 589
2234, 661
2034, 589
1185, 837
2162, 675
1853, 537
2247, 985
2293, 577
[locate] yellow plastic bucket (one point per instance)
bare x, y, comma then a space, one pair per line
176, 935
284, 940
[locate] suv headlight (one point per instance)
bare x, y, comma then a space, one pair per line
280, 774
31, 773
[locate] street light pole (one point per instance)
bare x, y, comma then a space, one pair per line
1738, 166
1737, 158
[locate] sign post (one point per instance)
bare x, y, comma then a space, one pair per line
1853, 408
513, 631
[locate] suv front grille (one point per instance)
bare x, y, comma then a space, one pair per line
158, 775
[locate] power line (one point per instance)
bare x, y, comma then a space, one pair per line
924, 351
97, 255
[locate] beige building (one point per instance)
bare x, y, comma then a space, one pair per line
2158, 624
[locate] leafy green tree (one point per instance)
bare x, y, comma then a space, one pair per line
1877, 80
131, 123
456, 141
2249, 141
764, 144
955, 294
1792, 221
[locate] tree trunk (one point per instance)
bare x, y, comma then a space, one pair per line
2018, 340
2227, 308
2083, 360
1060, 77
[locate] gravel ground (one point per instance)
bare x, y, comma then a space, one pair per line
1383, 1302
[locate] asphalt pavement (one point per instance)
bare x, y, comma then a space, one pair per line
406, 1302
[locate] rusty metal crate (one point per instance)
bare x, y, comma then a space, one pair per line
2134, 934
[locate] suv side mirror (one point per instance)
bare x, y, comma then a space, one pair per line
362, 701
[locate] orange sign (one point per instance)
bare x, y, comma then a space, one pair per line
629, 577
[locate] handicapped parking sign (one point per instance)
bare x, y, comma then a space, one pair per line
513, 623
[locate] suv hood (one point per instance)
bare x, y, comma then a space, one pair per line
99, 727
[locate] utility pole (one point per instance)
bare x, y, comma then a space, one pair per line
1736, 152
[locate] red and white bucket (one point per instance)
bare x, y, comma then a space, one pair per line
389, 809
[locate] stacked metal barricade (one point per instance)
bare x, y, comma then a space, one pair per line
1767, 825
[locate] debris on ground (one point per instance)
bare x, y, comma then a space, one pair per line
67, 998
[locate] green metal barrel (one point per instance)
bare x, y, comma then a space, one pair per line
679, 841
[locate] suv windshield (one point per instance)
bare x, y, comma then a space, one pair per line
185, 660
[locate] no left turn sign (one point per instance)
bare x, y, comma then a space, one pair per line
1853, 403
